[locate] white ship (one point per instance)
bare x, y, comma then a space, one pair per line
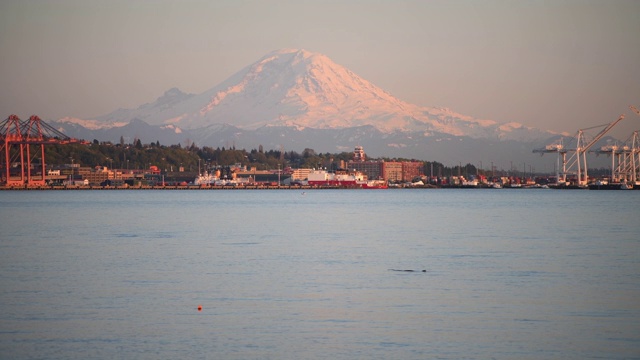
343, 178
206, 179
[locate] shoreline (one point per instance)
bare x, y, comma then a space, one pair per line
176, 187
269, 187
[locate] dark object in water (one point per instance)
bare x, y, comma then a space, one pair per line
407, 270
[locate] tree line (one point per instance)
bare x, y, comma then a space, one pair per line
172, 157
192, 158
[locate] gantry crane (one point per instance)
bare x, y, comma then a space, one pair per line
17, 139
627, 157
613, 151
627, 169
582, 148
578, 158
631, 157
562, 159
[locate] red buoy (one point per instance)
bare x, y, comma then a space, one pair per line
199, 307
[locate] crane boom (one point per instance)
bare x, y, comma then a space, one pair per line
601, 134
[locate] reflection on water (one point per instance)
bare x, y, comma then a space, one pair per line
533, 274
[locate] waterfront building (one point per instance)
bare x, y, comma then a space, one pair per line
389, 170
373, 169
300, 174
100, 175
392, 171
412, 170
262, 176
358, 154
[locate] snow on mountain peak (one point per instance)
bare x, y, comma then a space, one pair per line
295, 87
91, 124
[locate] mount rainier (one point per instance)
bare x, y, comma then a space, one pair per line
298, 99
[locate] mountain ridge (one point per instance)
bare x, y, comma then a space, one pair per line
296, 99
292, 87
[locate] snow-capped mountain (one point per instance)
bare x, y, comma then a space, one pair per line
306, 90
297, 99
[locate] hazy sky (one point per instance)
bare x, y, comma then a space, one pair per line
557, 65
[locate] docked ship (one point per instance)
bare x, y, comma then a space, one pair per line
375, 184
343, 178
206, 179
606, 185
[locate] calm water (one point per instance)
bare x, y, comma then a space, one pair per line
510, 274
